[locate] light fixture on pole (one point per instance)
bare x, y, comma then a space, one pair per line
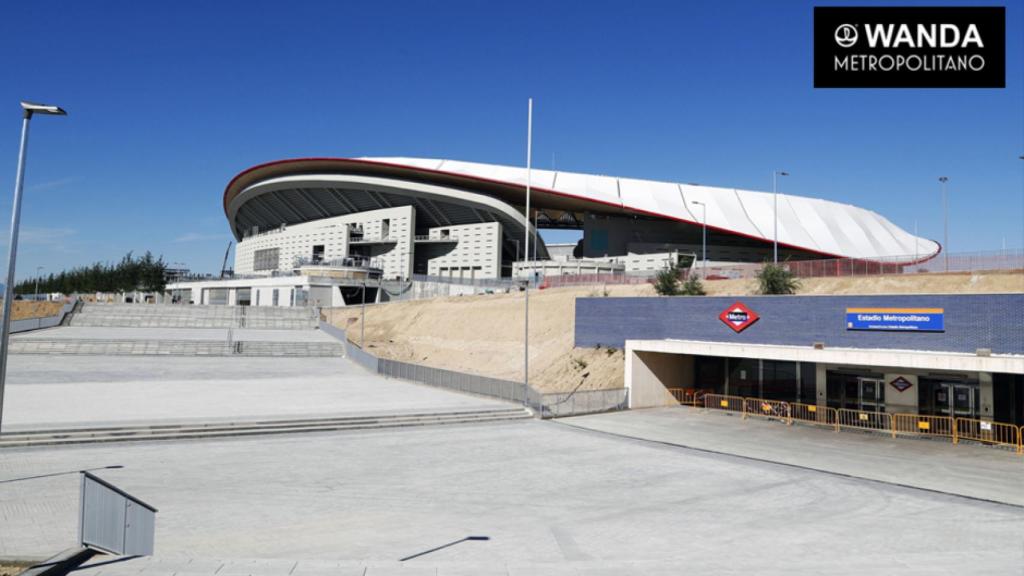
362, 319
526, 253
704, 238
945, 225
28, 109
775, 213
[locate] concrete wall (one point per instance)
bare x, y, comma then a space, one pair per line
896, 401
476, 255
971, 321
297, 240
651, 373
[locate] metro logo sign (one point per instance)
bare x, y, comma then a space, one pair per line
738, 317
901, 384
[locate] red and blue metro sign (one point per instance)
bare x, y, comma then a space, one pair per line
738, 317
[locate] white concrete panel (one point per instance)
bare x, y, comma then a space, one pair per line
724, 208
427, 163
810, 223
513, 174
881, 242
657, 197
760, 208
854, 238
810, 210
600, 188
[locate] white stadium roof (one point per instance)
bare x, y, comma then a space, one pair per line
826, 228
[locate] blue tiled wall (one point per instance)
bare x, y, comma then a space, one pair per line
993, 321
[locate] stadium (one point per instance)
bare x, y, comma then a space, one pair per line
396, 218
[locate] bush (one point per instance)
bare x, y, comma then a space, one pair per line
776, 279
693, 286
666, 281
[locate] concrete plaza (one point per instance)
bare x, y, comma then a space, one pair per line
46, 391
552, 499
967, 469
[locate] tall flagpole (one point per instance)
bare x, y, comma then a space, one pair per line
526, 252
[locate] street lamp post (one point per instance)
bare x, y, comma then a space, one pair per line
526, 252
775, 213
362, 319
28, 110
945, 225
35, 298
704, 238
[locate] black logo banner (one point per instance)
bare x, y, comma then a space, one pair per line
910, 47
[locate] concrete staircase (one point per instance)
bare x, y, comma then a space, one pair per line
255, 428
183, 330
193, 316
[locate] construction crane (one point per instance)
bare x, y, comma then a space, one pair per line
224, 266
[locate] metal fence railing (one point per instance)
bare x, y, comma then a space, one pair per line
460, 381
359, 356
909, 264
923, 425
544, 404
987, 432
555, 405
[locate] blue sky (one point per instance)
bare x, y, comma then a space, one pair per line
169, 100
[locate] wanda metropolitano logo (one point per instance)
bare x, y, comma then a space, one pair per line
910, 47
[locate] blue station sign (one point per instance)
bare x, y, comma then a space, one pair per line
912, 319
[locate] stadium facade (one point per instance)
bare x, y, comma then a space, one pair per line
402, 217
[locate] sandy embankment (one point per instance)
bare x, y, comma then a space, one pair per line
484, 334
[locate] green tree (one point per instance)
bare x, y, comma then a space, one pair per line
776, 279
146, 273
666, 281
693, 286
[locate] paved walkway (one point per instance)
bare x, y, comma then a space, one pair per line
968, 470
551, 499
202, 334
78, 391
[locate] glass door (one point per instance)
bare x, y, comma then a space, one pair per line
871, 392
956, 399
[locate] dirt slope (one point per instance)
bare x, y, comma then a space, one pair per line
484, 334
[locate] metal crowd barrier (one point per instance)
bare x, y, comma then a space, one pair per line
724, 402
688, 396
771, 409
922, 425
956, 429
986, 432
813, 414
866, 420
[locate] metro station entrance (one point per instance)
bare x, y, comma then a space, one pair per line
869, 395
958, 399
852, 391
